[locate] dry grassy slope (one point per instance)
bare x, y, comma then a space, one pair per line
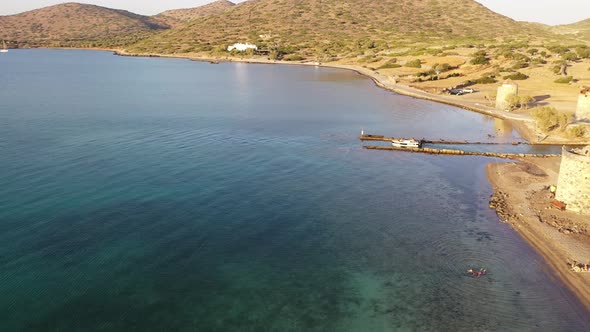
73, 22
579, 30
307, 23
189, 14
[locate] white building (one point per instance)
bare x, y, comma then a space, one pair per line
241, 47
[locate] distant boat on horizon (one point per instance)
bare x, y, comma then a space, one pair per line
4, 49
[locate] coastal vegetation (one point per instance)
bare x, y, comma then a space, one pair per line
514, 101
549, 118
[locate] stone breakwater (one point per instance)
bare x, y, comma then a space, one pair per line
460, 152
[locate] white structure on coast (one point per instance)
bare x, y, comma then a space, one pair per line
573, 184
241, 47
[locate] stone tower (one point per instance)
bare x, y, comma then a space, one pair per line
573, 185
583, 110
506, 89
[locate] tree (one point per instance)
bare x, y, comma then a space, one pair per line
525, 101
417, 63
480, 58
548, 118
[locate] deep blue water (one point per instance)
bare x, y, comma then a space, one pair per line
170, 195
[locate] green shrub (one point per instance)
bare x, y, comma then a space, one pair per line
512, 101
417, 63
485, 80
548, 118
293, 57
583, 52
516, 77
570, 56
442, 67
564, 80
480, 59
520, 64
576, 132
389, 66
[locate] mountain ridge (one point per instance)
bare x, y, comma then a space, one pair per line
312, 24
76, 24
189, 14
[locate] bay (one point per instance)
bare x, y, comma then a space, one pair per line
164, 194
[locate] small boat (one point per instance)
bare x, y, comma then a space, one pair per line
4, 49
406, 143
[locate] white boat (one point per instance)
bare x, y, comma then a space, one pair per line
4, 49
406, 143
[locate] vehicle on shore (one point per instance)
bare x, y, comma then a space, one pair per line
459, 92
406, 143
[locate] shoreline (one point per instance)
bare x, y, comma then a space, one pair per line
523, 202
519, 122
521, 221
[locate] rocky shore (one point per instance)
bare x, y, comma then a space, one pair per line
522, 198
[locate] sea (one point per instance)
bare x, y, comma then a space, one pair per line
151, 194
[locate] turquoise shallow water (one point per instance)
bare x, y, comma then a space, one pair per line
152, 194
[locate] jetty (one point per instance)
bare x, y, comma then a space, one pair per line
454, 152
460, 152
381, 138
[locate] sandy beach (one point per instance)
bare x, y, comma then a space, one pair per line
523, 201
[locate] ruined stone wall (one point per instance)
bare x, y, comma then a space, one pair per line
573, 185
504, 91
583, 110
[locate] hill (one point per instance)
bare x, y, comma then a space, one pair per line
341, 26
579, 30
78, 25
190, 14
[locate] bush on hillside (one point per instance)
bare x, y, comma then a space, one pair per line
389, 66
548, 118
293, 57
485, 80
442, 67
417, 63
480, 58
518, 76
520, 65
576, 132
569, 56
564, 80
538, 61
583, 52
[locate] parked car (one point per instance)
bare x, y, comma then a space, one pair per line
456, 92
468, 90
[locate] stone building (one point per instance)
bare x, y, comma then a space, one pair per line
504, 91
583, 110
573, 185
